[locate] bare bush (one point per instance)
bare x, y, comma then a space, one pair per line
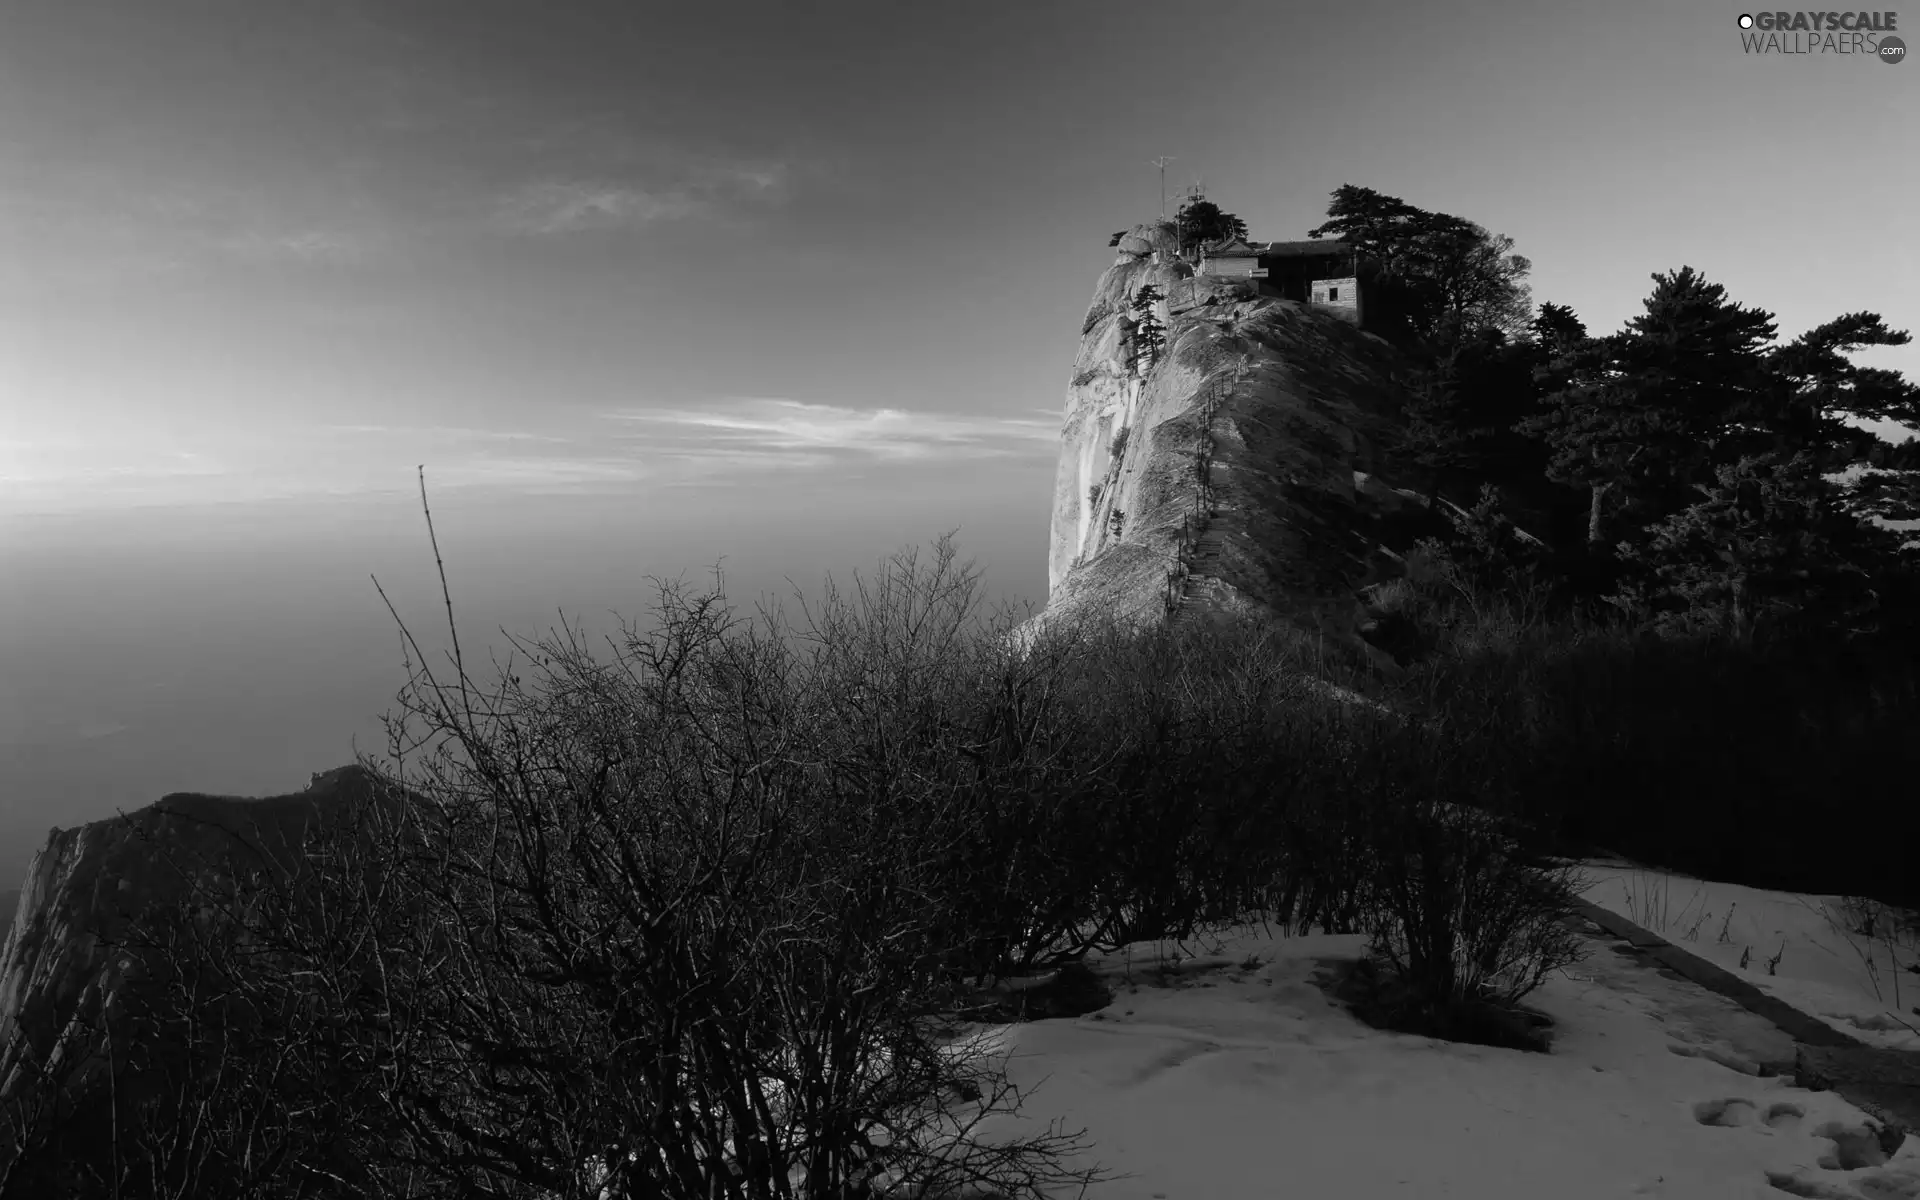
1463, 918
685, 912
695, 913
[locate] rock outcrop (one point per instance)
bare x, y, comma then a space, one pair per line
1248, 470
58, 970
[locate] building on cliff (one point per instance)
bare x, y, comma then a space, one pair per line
1324, 274
1250, 470
1235, 257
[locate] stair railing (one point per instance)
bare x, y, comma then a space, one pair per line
1194, 523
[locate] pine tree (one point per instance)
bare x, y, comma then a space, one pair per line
1895, 456
1486, 549
1557, 330
1376, 225
1767, 548
1460, 419
1149, 335
1201, 221
1437, 272
1586, 425
1890, 497
1448, 429
1821, 389
1643, 412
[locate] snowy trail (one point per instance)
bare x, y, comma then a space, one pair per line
1802, 949
1221, 1082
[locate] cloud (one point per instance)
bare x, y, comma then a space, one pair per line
296, 245
552, 207
560, 206
453, 431
725, 443
760, 431
541, 474
742, 180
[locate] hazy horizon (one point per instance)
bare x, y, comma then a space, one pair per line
645, 288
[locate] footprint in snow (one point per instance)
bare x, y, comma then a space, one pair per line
1896, 1184
1852, 1147
1783, 1115
1734, 1111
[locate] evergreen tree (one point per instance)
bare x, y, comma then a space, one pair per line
1376, 225
1768, 548
1149, 335
1890, 497
1895, 456
1486, 550
1443, 275
1891, 490
1436, 436
1587, 425
1460, 421
1642, 413
1470, 277
1556, 330
1461, 417
1200, 221
1820, 389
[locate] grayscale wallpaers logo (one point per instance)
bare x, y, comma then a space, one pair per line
1867, 34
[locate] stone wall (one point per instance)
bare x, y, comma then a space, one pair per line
1340, 296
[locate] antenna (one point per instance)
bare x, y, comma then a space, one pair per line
1162, 162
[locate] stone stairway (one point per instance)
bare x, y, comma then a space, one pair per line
1202, 598
1199, 592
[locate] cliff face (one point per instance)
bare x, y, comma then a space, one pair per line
58, 969
1254, 462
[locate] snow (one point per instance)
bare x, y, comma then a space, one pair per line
1860, 985
1221, 1080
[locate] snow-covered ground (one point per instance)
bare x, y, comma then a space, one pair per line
1237, 1076
1827, 965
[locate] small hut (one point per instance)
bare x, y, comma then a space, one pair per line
1323, 273
1233, 258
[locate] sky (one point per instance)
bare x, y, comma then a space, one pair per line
644, 285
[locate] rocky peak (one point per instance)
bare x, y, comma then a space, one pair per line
1249, 469
57, 972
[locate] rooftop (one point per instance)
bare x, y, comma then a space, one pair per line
1313, 248
1232, 248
